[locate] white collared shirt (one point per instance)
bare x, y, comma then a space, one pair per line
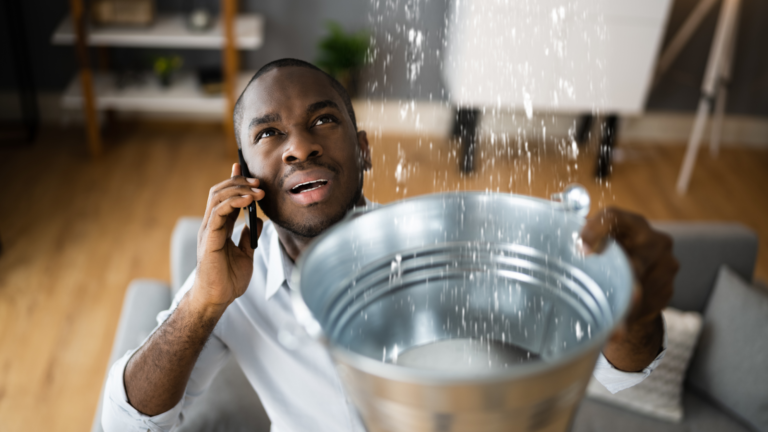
299, 387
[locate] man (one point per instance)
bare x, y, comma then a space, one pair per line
298, 134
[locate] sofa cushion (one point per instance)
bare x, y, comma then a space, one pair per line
229, 405
701, 248
700, 416
729, 365
144, 299
660, 394
183, 250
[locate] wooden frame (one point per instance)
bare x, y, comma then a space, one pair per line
86, 78
230, 61
231, 67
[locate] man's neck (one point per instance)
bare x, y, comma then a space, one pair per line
295, 244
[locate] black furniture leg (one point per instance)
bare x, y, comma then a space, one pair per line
583, 128
465, 131
607, 142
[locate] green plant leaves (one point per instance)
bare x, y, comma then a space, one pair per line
341, 52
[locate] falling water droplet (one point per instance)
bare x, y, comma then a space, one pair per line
527, 104
579, 331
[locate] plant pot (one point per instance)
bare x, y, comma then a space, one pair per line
350, 79
165, 80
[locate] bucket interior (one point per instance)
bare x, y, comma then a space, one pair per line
476, 305
420, 298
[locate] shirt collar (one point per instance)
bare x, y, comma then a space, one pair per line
280, 264
275, 270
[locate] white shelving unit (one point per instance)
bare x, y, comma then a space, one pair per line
145, 94
99, 90
167, 31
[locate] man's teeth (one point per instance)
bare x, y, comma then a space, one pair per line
316, 183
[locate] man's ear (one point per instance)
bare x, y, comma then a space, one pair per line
365, 150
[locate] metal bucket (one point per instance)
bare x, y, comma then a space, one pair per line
463, 312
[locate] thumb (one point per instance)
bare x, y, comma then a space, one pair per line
245, 237
621, 329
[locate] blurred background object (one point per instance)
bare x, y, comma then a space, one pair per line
211, 80
200, 19
342, 55
24, 129
123, 12
714, 88
164, 68
578, 58
96, 92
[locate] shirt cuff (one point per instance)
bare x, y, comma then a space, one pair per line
616, 380
118, 414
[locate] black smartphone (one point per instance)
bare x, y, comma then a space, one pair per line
251, 207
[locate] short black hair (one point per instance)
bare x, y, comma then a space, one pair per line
291, 62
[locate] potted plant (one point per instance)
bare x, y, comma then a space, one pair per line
164, 67
342, 55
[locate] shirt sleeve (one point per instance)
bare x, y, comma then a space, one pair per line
119, 415
616, 380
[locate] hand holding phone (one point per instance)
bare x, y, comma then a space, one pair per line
225, 265
251, 209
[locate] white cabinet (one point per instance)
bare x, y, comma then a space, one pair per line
553, 55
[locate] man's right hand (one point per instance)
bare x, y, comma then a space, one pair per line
224, 268
157, 373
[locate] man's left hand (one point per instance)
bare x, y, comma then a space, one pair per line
638, 341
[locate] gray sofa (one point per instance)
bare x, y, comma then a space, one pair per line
232, 405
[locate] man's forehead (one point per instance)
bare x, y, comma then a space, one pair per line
288, 86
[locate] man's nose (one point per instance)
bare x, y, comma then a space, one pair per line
301, 149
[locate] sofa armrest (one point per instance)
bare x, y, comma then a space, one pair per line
144, 299
702, 248
183, 250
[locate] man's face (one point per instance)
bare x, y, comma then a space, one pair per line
299, 141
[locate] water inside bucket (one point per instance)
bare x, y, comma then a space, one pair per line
478, 313
464, 354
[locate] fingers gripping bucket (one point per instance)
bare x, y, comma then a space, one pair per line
463, 312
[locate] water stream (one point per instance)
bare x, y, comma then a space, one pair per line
483, 317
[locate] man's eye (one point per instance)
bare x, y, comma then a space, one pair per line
266, 134
325, 119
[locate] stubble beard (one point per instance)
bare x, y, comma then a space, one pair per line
309, 229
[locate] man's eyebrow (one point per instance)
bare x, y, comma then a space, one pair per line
317, 106
267, 118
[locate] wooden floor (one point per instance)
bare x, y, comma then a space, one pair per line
76, 231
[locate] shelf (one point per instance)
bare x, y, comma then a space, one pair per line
147, 95
167, 31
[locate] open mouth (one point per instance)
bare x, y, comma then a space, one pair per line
309, 186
